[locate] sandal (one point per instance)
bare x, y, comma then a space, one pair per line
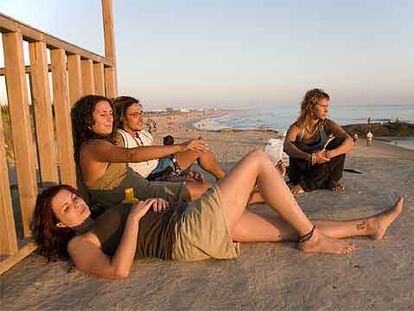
336, 186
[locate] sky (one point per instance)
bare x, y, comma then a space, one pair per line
244, 54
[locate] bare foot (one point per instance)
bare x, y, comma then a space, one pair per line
320, 243
379, 223
297, 189
336, 186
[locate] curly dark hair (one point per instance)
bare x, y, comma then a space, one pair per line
309, 103
121, 104
82, 122
52, 240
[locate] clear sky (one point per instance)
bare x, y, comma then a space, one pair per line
244, 53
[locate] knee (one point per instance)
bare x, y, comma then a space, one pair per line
258, 156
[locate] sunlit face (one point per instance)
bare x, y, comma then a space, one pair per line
133, 119
103, 118
322, 109
70, 209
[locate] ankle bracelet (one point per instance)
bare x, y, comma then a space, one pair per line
306, 237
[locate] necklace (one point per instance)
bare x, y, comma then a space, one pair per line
312, 132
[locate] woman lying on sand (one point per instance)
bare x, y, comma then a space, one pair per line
205, 228
315, 162
102, 165
131, 134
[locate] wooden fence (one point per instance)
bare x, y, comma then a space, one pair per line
74, 72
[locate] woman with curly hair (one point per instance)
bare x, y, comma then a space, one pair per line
102, 165
208, 227
316, 146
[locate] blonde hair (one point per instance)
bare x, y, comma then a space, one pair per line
308, 106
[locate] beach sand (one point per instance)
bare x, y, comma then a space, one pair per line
379, 275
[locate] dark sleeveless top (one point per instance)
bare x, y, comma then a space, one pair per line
314, 146
156, 236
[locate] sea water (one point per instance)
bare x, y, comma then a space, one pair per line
280, 117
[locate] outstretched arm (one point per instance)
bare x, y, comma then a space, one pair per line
104, 151
87, 254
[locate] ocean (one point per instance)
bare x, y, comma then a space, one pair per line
280, 117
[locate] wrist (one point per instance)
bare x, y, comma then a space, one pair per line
134, 218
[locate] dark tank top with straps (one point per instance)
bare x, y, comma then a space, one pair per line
318, 144
156, 235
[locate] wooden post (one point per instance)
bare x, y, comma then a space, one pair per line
108, 25
8, 238
75, 78
98, 73
87, 77
110, 84
21, 128
43, 112
63, 120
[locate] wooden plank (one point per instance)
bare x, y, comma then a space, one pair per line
108, 25
109, 37
110, 84
87, 77
98, 74
8, 24
62, 117
8, 238
27, 69
21, 128
75, 78
43, 112
10, 261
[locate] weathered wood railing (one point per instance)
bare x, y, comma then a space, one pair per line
74, 72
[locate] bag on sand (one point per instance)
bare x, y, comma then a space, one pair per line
274, 149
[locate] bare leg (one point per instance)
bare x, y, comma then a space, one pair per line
206, 160
254, 227
235, 190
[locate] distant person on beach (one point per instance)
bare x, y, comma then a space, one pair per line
209, 227
316, 146
355, 139
129, 117
102, 165
370, 136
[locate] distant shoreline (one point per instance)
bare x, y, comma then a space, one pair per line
385, 129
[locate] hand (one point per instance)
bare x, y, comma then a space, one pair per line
195, 145
321, 157
329, 154
140, 208
196, 175
160, 205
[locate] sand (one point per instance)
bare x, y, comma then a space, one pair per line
379, 275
